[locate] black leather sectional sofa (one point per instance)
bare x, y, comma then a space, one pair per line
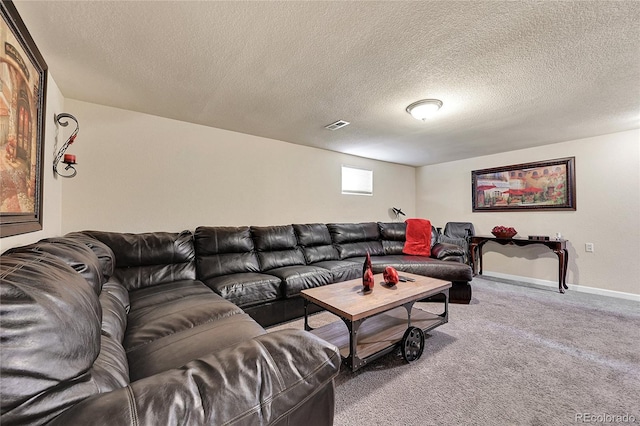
109, 328
126, 335
263, 269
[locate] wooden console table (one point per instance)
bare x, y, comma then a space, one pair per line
559, 247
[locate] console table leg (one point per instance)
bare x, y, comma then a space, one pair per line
563, 260
564, 275
474, 262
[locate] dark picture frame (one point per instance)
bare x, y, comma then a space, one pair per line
23, 83
543, 185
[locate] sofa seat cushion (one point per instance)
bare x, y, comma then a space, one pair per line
299, 277
173, 323
246, 289
420, 265
166, 309
176, 349
167, 293
341, 270
280, 378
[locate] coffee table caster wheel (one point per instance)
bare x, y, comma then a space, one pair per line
412, 344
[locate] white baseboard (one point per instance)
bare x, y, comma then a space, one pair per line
572, 287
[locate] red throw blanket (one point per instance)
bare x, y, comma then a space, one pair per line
418, 237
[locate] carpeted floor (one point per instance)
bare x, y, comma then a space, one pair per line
517, 355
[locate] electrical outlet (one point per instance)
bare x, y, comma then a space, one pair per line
588, 247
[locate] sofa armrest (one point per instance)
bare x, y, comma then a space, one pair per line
275, 376
446, 251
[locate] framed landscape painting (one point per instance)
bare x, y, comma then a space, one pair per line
543, 185
23, 81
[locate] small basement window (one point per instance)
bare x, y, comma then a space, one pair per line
357, 181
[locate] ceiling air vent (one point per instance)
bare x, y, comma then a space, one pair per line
337, 125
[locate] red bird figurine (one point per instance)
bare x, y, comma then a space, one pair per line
390, 276
367, 274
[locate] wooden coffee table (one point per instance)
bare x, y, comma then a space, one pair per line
379, 321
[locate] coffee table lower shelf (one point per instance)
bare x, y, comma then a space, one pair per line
377, 335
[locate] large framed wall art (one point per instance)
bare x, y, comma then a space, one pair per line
23, 87
543, 185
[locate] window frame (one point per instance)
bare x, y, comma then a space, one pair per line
356, 174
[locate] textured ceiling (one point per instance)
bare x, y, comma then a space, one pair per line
511, 74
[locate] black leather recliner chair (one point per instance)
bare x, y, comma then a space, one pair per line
459, 233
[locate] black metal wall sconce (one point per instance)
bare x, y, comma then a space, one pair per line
397, 212
68, 159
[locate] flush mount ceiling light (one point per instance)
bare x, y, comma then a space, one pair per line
424, 109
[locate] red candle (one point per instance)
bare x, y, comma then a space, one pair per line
69, 159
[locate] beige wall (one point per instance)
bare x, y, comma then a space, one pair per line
139, 173
608, 212
52, 186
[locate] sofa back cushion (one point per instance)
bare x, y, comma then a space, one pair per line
119, 292
148, 259
315, 241
276, 246
111, 369
74, 253
356, 239
101, 250
50, 333
114, 316
393, 236
224, 250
